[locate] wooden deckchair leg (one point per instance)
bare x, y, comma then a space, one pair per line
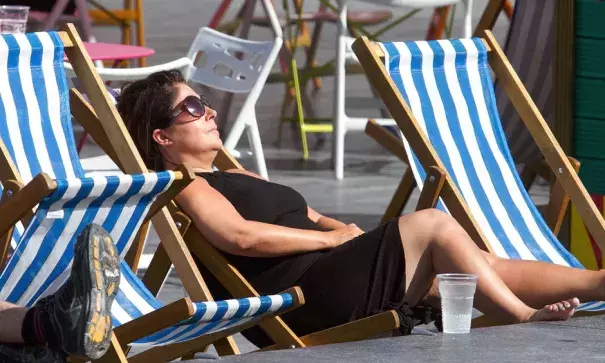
160, 263
559, 200
433, 184
400, 198
133, 256
361, 329
489, 17
115, 354
386, 139
5, 241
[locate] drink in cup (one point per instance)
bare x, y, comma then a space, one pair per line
13, 19
457, 292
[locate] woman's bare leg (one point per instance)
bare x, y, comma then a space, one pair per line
11, 320
539, 283
435, 243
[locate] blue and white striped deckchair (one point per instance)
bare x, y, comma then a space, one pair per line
36, 133
451, 121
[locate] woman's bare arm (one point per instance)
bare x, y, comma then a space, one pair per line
226, 229
323, 221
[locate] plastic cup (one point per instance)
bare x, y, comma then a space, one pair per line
13, 19
457, 292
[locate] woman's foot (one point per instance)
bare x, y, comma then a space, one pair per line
559, 311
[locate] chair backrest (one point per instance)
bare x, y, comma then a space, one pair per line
530, 49
41, 262
36, 133
448, 87
34, 97
229, 63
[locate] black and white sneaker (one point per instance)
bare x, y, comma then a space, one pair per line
80, 311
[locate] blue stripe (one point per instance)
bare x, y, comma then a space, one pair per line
29, 232
265, 305
137, 215
20, 103
455, 129
41, 95
495, 174
61, 83
221, 310
68, 255
50, 239
503, 145
394, 70
118, 206
4, 134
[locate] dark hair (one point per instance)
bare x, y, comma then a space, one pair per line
146, 105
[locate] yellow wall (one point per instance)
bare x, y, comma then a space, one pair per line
581, 245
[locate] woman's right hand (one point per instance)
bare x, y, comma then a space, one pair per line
344, 234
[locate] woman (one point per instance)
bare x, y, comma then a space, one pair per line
270, 234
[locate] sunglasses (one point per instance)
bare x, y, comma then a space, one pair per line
194, 106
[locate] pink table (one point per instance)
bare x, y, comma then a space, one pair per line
116, 52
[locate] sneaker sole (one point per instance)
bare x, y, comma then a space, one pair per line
100, 279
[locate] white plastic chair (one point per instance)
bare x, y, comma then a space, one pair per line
225, 63
344, 54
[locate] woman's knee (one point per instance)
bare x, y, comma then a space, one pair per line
434, 225
430, 219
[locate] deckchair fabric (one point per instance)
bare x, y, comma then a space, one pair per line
530, 49
448, 87
36, 129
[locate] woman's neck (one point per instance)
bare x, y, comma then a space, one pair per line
197, 165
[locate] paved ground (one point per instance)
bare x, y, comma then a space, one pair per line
371, 174
577, 340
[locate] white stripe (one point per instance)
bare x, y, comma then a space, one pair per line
120, 228
100, 217
232, 307
211, 309
512, 186
478, 163
62, 243
119, 313
133, 296
416, 106
31, 249
10, 109
33, 108
54, 103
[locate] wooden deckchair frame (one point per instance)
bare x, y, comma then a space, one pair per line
554, 212
125, 152
567, 179
235, 283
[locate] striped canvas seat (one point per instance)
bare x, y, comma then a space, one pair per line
447, 86
35, 127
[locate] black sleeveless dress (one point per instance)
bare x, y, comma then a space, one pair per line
357, 279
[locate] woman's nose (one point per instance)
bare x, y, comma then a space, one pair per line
210, 113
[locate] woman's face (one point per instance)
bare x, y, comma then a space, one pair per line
188, 134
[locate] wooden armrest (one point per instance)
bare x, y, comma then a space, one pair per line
21, 203
433, 184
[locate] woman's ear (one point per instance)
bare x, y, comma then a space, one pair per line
160, 137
